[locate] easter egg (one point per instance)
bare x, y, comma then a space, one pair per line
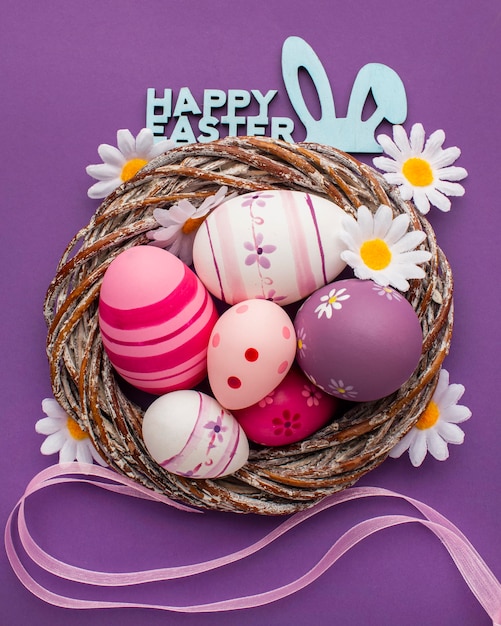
290, 412
188, 433
155, 318
251, 349
279, 245
358, 341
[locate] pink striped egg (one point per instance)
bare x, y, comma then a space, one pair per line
278, 245
190, 434
155, 318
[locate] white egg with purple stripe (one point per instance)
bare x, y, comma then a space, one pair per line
278, 245
190, 434
155, 318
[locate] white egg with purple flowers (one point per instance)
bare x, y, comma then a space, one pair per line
190, 434
279, 245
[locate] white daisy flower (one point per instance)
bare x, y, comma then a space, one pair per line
339, 389
122, 163
437, 426
380, 248
65, 436
301, 341
423, 171
180, 224
331, 302
387, 292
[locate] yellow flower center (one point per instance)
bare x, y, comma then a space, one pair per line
341, 390
418, 172
375, 254
74, 429
429, 417
332, 299
192, 224
300, 344
131, 168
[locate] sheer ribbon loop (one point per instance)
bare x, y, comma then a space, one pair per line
470, 564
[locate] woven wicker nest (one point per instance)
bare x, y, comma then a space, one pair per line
275, 480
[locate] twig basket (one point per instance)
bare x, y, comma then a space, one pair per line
275, 480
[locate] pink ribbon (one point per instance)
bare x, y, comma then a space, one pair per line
470, 564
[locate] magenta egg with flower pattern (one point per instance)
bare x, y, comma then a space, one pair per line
190, 434
277, 245
357, 340
291, 412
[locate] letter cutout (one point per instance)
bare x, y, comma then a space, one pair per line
351, 133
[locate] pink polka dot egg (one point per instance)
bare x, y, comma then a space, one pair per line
155, 318
251, 349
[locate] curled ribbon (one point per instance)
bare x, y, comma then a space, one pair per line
470, 564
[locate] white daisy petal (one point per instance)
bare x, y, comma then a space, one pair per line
442, 385
52, 408
450, 189
414, 257
457, 414
68, 452
53, 443
418, 449
110, 154
384, 163
103, 171
365, 221
452, 173
103, 188
47, 425
403, 445
96, 456
408, 241
383, 220
437, 447
421, 201
82, 452
395, 179
445, 157
449, 395
438, 199
398, 229
352, 234
417, 137
144, 143
126, 144
433, 144
388, 146
161, 147
406, 191
401, 140
450, 433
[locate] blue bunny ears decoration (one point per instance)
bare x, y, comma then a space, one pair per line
351, 133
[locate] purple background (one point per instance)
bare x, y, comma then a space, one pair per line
71, 75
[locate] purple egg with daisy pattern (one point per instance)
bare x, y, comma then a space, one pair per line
357, 340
